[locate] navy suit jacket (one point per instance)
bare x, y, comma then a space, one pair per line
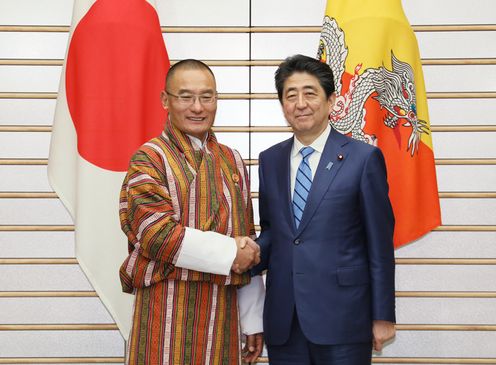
337, 268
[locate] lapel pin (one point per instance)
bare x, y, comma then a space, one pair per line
340, 157
329, 165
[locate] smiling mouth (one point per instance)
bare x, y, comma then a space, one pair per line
196, 119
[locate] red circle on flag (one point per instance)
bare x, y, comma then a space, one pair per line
115, 71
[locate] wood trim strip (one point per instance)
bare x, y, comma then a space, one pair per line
35, 28
30, 62
444, 261
113, 327
47, 294
24, 161
59, 327
61, 360
448, 228
56, 228
254, 195
430, 95
262, 129
446, 294
275, 29
399, 294
467, 195
254, 162
465, 161
261, 360
28, 195
263, 96
399, 261
463, 128
439, 161
39, 261
317, 29
454, 28
442, 195
432, 360
457, 61
256, 63
25, 95
465, 228
461, 95
445, 327
36, 228
25, 128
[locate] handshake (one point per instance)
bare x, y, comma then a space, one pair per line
247, 254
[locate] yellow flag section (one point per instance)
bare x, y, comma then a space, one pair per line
108, 105
374, 56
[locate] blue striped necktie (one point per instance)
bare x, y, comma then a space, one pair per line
303, 184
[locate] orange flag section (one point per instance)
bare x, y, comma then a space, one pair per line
374, 56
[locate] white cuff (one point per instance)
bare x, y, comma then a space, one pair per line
208, 251
251, 299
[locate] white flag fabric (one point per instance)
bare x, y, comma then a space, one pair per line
108, 105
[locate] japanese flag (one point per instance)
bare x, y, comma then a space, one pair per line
108, 105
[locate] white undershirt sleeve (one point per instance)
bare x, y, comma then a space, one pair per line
251, 299
208, 251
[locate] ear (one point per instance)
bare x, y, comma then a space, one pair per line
165, 100
331, 101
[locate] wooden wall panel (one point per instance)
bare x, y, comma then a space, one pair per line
457, 41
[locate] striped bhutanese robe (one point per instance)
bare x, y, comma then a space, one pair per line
182, 316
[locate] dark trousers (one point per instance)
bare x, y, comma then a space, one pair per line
299, 351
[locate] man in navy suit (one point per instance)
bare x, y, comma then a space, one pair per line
327, 232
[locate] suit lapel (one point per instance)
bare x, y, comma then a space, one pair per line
330, 163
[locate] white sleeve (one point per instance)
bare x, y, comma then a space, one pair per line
251, 299
208, 251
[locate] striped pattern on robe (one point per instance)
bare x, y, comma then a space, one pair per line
182, 316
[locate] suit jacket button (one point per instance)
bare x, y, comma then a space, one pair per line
297, 241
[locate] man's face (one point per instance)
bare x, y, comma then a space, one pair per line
191, 101
306, 106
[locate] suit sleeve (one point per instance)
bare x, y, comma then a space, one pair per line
378, 220
264, 238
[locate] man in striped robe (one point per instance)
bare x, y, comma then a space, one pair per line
185, 207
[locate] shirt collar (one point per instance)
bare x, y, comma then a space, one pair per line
197, 143
318, 145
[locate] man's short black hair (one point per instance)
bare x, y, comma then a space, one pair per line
188, 64
304, 64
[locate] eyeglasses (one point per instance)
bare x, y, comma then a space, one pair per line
189, 99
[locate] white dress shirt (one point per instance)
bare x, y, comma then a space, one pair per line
314, 159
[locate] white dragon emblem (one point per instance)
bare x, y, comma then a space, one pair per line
395, 91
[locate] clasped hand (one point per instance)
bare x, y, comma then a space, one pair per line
247, 254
